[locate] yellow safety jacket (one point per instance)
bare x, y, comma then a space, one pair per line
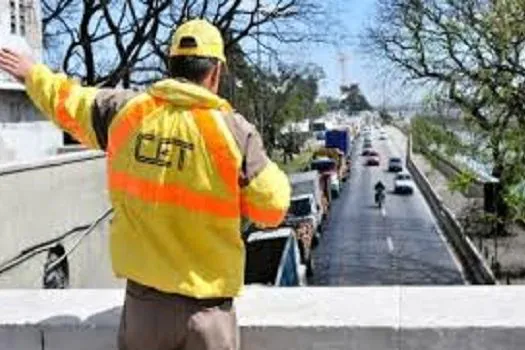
182, 170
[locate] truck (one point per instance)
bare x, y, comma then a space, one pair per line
339, 138
310, 183
328, 172
273, 258
342, 140
307, 213
342, 162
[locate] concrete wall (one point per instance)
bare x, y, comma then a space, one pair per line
28, 141
42, 200
376, 318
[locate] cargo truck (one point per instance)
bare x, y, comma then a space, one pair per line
339, 138
342, 140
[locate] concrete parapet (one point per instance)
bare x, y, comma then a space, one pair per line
411, 318
41, 200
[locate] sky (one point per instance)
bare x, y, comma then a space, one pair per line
361, 68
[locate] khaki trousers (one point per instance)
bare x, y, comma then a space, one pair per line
153, 320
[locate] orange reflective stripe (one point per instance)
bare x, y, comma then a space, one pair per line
150, 191
218, 148
64, 118
266, 216
129, 122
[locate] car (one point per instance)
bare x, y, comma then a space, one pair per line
366, 151
383, 136
403, 184
373, 158
373, 161
395, 164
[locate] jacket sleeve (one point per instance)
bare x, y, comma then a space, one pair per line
265, 189
84, 112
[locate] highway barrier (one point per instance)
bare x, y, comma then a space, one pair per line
476, 269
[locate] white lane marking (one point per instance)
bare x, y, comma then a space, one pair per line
420, 198
390, 244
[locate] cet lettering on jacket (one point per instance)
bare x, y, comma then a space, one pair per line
155, 150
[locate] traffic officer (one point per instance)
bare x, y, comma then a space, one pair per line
182, 168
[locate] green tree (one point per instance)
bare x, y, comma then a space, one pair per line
353, 100
474, 51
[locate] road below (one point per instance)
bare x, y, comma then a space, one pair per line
401, 245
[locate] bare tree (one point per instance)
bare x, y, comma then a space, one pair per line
125, 41
474, 50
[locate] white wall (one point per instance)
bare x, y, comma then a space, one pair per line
42, 200
29, 141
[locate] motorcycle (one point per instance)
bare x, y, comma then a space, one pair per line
380, 198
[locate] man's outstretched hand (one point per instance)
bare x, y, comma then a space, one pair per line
16, 64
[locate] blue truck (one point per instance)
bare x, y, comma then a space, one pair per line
339, 138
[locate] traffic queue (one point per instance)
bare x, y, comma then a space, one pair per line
284, 256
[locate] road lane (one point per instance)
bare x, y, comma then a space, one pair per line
363, 246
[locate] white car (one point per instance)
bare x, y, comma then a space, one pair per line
403, 184
383, 135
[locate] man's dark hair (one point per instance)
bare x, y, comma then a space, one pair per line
192, 68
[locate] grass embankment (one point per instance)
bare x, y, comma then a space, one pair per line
297, 164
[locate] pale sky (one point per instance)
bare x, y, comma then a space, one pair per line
365, 70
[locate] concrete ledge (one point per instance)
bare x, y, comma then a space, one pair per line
481, 318
53, 161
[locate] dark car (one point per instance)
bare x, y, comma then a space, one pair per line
373, 160
395, 164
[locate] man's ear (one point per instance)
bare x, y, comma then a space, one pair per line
216, 75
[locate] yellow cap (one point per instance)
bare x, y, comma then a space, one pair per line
205, 37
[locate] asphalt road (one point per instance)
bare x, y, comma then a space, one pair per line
401, 245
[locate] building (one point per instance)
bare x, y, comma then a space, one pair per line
24, 133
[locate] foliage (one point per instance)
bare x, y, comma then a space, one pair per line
353, 100
386, 117
270, 99
428, 134
462, 181
474, 51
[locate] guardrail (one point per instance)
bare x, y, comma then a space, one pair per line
476, 269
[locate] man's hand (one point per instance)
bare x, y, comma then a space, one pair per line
18, 65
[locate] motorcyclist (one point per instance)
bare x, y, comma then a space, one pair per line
379, 188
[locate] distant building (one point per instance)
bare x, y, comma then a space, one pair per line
24, 133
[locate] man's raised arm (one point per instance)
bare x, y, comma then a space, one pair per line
84, 112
